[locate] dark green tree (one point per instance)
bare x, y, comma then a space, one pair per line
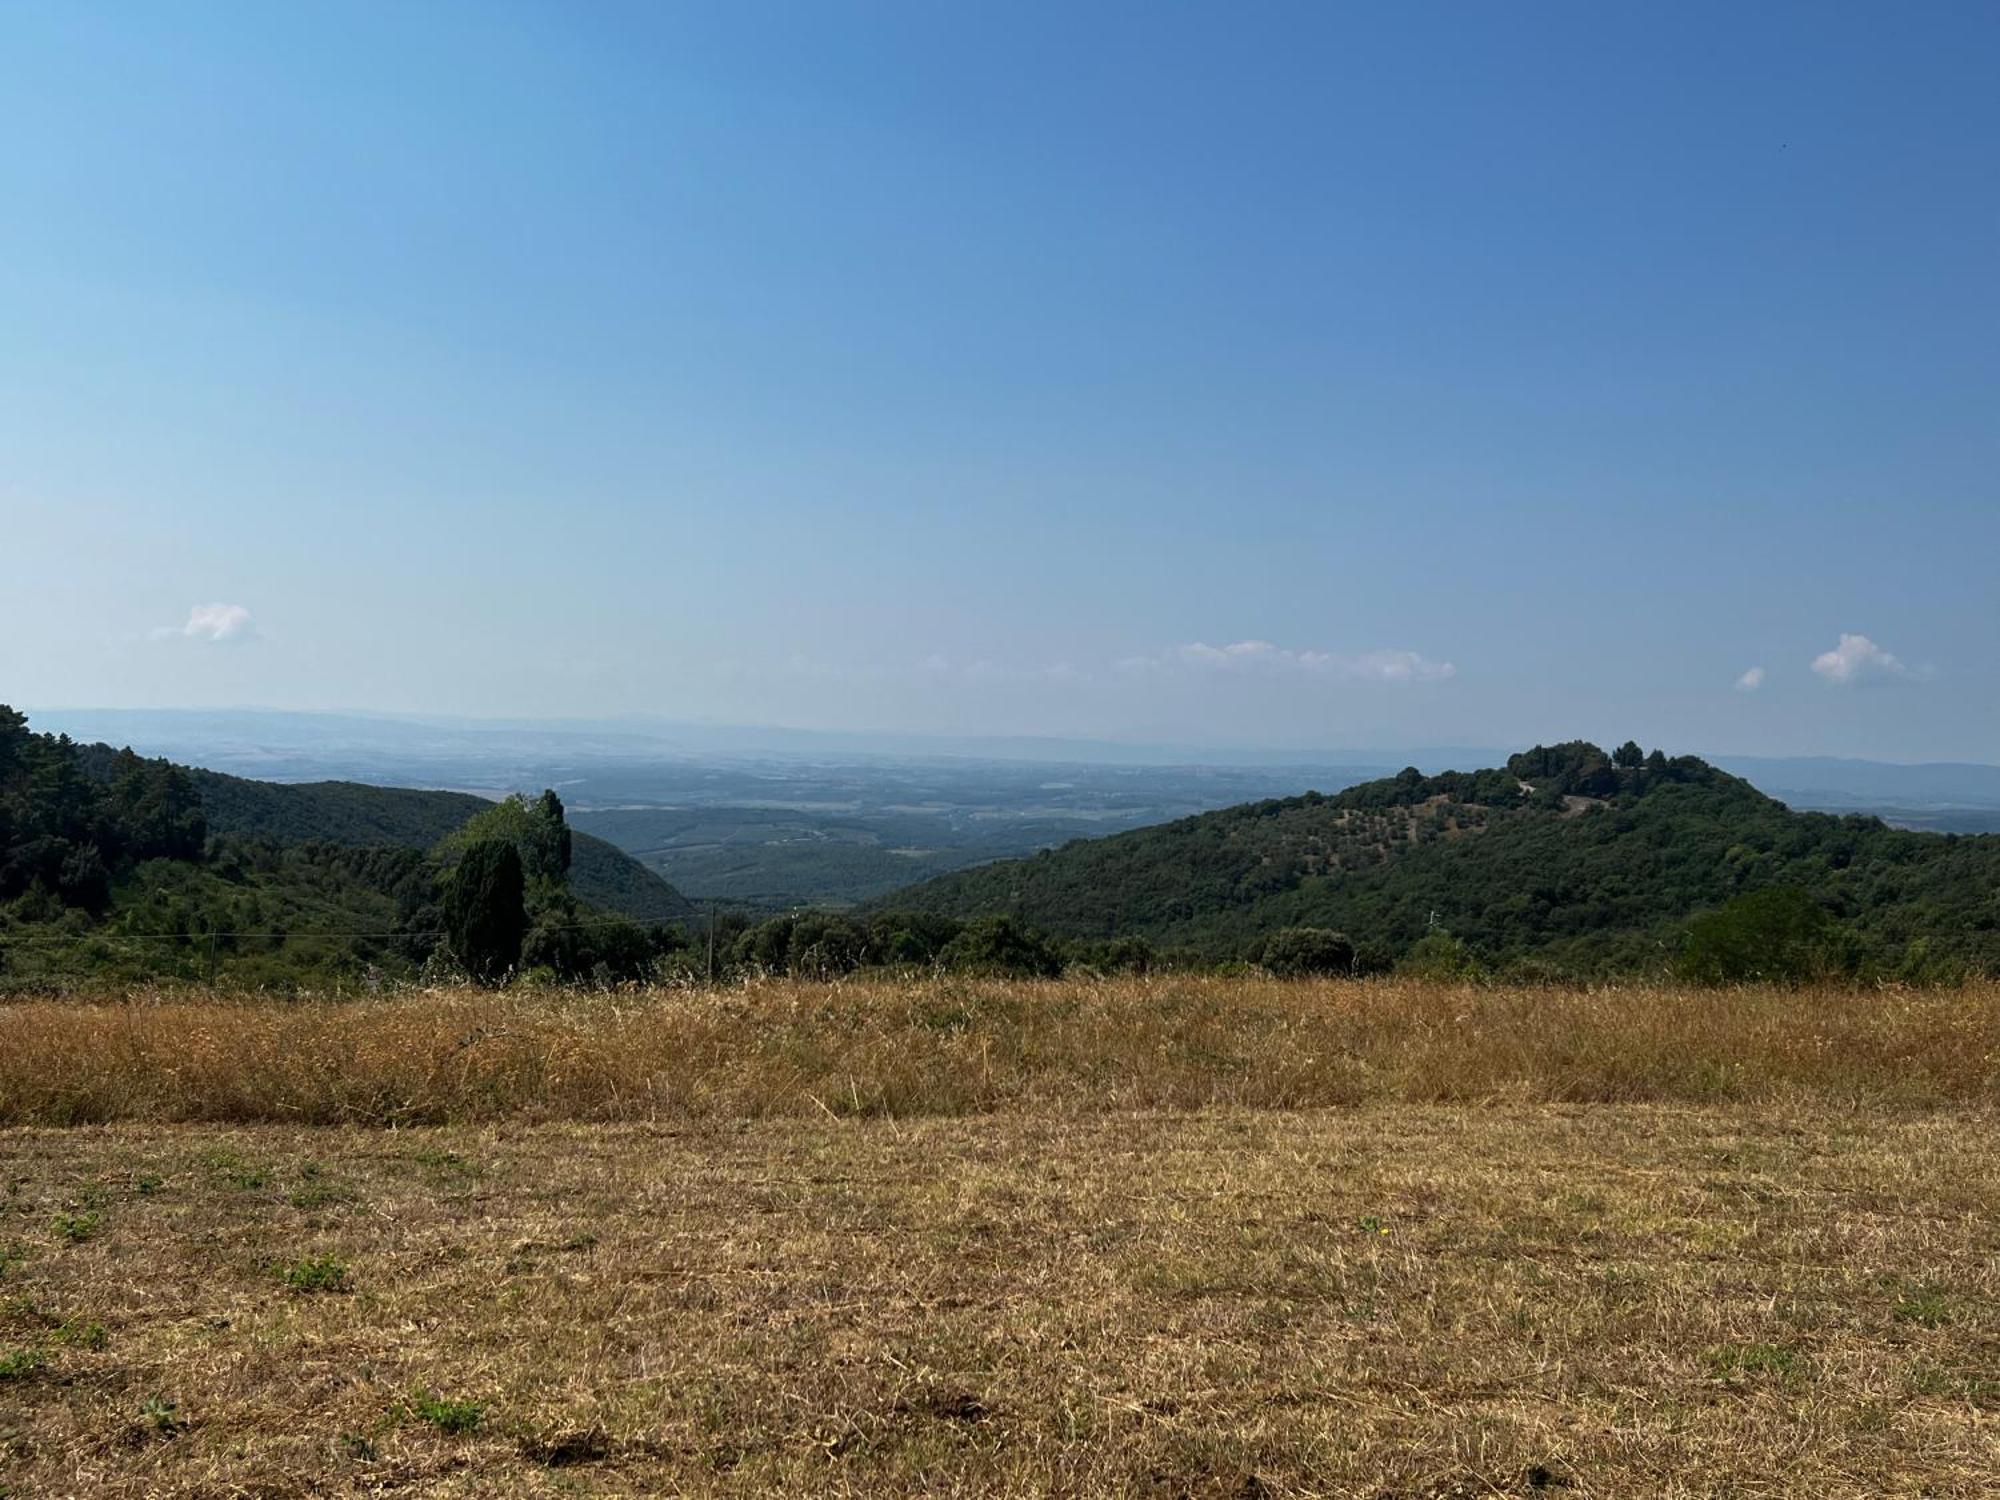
485, 911
1002, 947
538, 831
1294, 951
1778, 936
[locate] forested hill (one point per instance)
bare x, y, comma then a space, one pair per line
360, 816
1588, 862
116, 865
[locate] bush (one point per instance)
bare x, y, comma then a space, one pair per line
1308, 950
911, 939
1441, 957
1779, 936
1125, 955
1000, 947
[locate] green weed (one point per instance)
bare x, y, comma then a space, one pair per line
454, 1417
77, 1227
318, 1273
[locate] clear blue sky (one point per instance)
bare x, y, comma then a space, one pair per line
1479, 373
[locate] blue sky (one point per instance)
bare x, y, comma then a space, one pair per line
1295, 375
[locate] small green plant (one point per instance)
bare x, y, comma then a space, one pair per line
21, 1363
1751, 1360
79, 1333
77, 1227
162, 1415
1927, 1379
12, 1254
1371, 1224
454, 1417
317, 1273
234, 1170
149, 1183
1925, 1306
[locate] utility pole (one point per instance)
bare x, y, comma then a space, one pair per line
711, 942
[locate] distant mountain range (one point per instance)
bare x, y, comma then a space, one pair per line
608, 757
1947, 796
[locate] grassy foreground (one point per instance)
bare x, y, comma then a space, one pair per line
956, 1046
842, 1242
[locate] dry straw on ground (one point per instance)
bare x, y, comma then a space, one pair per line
950, 1047
950, 1238
1402, 1301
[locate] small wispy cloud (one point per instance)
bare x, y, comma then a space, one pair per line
1263, 657
212, 623
1750, 681
1856, 657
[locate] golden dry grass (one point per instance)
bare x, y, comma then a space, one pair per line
966, 1238
1410, 1301
954, 1046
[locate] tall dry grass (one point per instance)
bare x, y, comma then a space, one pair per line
955, 1046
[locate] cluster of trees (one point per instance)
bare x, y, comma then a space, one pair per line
110, 866
66, 834
825, 945
505, 903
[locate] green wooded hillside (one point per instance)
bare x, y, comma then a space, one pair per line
355, 815
116, 865
1587, 862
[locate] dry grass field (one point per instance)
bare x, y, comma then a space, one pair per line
1184, 1238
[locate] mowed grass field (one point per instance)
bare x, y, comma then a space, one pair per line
1168, 1238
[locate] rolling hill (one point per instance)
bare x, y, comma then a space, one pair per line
116, 865
355, 815
1567, 856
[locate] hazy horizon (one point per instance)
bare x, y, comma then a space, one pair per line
695, 738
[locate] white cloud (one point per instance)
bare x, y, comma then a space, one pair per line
1263, 657
212, 622
1857, 656
1750, 681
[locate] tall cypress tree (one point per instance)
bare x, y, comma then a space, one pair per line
485, 909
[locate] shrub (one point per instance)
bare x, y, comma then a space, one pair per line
1440, 957
1308, 950
1001, 947
1777, 936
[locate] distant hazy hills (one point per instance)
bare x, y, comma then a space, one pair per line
1946, 796
509, 755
